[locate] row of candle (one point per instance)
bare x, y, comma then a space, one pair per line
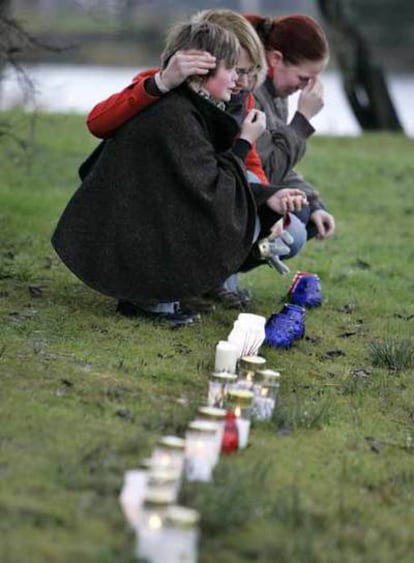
167, 532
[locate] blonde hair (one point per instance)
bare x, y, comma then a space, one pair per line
245, 33
204, 36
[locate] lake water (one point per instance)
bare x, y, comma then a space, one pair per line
76, 88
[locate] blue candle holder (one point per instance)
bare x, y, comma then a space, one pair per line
306, 290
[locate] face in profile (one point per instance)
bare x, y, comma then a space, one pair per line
245, 72
289, 78
222, 83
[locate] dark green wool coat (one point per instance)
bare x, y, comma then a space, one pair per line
166, 211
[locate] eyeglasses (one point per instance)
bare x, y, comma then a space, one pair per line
249, 72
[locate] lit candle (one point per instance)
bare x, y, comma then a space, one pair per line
226, 357
169, 452
149, 531
218, 386
178, 540
266, 387
216, 416
248, 366
200, 450
241, 401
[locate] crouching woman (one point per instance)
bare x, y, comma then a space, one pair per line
167, 213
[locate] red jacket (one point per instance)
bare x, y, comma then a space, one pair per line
107, 116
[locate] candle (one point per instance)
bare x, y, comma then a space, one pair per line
241, 401
230, 441
266, 387
167, 479
200, 450
132, 494
178, 538
169, 452
226, 357
217, 417
248, 366
243, 427
151, 523
218, 385
255, 328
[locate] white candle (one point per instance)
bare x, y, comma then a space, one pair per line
178, 538
226, 357
216, 416
132, 495
200, 450
243, 426
151, 524
169, 452
164, 479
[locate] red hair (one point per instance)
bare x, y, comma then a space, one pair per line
298, 37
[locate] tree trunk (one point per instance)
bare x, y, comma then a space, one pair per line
363, 79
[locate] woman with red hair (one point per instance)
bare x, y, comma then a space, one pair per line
296, 52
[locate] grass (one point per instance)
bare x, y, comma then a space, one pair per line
85, 394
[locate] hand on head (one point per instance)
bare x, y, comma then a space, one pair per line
253, 125
311, 98
187, 63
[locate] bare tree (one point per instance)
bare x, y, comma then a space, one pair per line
364, 81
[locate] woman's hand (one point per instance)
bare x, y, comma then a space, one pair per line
253, 126
310, 100
184, 64
287, 200
325, 223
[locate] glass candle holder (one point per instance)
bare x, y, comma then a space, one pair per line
265, 389
165, 479
230, 441
149, 530
248, 366
132, 494
200, 450
241, 402
179, 537
218, 386
169, 452
216, 416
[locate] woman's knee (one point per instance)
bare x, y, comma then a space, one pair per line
297, 230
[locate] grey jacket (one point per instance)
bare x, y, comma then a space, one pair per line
282, 145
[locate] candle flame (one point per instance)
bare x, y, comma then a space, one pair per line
154, 522
165, 459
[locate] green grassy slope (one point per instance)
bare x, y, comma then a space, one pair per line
85, 393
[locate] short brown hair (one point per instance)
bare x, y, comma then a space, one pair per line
204, 36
